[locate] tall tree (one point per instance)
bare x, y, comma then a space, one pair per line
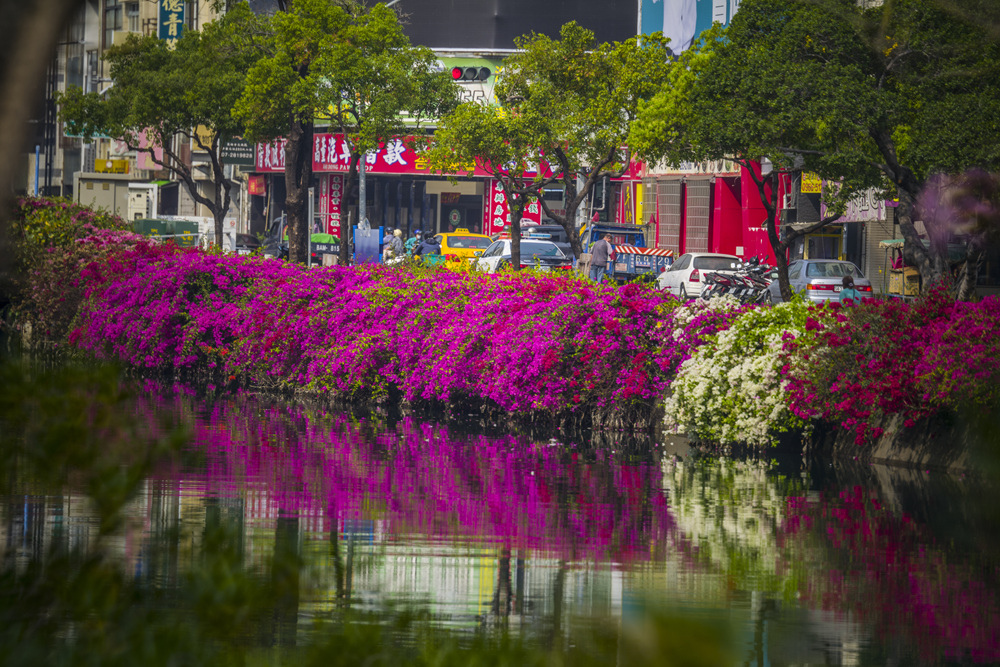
580, 96
868, 97
378, 87
767, 88
936, 83
160, 97
503, 143
335, 61
283, 97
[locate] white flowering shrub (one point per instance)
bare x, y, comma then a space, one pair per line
731, 389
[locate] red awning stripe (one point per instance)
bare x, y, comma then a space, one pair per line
633, 250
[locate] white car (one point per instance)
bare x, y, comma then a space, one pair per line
546, 255
686, 276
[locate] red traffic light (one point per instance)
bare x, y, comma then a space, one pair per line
470, 73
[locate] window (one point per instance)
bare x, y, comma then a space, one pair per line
716, 263
132, 16
794, 270
682, 263
112, 20
832, 270
475, 242
540, 249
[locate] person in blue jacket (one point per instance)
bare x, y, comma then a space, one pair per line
848, 295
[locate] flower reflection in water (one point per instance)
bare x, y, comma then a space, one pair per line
421, 479
889, 574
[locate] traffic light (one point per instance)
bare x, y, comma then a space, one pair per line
470, 73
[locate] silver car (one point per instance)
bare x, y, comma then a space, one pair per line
820, 280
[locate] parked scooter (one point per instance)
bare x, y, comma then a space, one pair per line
748, 284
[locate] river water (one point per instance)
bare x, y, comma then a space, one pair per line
554, 542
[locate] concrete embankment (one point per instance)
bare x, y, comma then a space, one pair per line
941, 443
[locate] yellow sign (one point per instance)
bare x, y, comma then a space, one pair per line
205, 136
811, 183
111, 166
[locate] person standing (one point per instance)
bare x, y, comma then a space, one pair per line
848, 295
600, 253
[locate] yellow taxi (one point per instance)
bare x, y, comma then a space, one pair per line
463, 244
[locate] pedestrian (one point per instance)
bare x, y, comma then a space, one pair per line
411, 243
600, 253
848, 295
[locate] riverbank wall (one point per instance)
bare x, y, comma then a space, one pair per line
943, 442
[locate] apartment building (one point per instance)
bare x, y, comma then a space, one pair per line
57, 162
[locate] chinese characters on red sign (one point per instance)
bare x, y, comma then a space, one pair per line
331, 153
331, 195
496, 210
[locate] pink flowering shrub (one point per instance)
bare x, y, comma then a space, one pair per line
53, 283
519, 342
515, 343
856, 366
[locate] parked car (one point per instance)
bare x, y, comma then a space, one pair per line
247, 244
543, 254
553, 232
686, 276
820, 280
463, 244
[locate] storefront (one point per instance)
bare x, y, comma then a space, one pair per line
403, 192
708, 207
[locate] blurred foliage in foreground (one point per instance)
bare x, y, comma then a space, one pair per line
71, 430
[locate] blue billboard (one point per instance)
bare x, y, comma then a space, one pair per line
171, 20
683, 20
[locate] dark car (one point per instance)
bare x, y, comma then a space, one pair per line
247, 244
554, 233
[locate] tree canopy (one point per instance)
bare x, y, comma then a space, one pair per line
338, 63
866, 97
159, 93
503, 143
578, 97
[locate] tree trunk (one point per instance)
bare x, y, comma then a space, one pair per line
298, 177
516, 213
517, 200
222, 193
767, 190
933, 262
968, 277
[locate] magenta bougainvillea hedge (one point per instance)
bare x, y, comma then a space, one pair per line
520, 343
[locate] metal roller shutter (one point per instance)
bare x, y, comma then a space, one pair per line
699, 210
668, 197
